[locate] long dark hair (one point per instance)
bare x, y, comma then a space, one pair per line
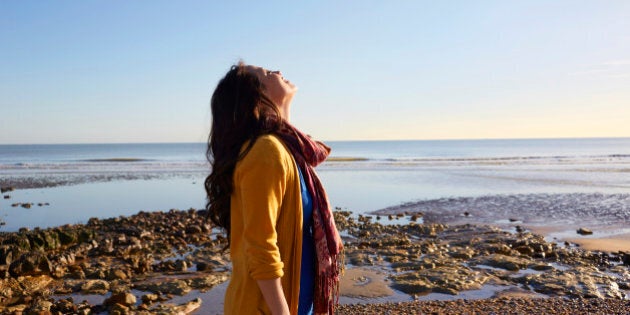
240, 112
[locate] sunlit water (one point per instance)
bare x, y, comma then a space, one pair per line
379, 175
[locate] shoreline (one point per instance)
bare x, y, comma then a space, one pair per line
419, 256
604, 214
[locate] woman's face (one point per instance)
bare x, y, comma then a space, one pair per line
277, 88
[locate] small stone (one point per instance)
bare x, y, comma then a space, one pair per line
177, 287
126, 299
39, 307
143, 307
119, 309
115, 274
207, 282
5, 189
193, 229
26, 205
64, 306
584, 231
181, 265
149, 298
95, 287
525, 250
202, 266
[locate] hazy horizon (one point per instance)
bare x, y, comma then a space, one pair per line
339, 140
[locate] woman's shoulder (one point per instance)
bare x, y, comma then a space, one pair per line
269, 140
268, 146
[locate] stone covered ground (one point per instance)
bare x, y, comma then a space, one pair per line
140, 264
556, 306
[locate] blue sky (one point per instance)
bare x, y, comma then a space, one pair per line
143, 71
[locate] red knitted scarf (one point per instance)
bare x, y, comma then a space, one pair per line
328, 245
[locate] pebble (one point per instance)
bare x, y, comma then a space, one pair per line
584, 231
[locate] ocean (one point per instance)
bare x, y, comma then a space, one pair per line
80, 181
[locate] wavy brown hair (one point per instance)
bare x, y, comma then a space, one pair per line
241, 112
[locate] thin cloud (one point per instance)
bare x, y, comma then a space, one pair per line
591, 72
621, 62
619, 75
610, 69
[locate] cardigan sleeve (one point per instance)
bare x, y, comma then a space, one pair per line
262, 178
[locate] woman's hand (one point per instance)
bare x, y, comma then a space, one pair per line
272, 293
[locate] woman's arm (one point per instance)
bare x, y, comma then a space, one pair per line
272, 292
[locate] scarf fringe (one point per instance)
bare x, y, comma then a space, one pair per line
327, 287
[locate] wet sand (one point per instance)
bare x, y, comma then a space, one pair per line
364, 283
611, 244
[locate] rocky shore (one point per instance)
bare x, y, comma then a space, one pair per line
163, 262
137, 264
55, 180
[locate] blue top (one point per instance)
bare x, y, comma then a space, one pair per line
307, 274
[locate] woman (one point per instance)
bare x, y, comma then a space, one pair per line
263, 190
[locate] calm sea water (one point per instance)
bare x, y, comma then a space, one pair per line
361, 176
373, 150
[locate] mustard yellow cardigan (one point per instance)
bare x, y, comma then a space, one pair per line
266, 227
